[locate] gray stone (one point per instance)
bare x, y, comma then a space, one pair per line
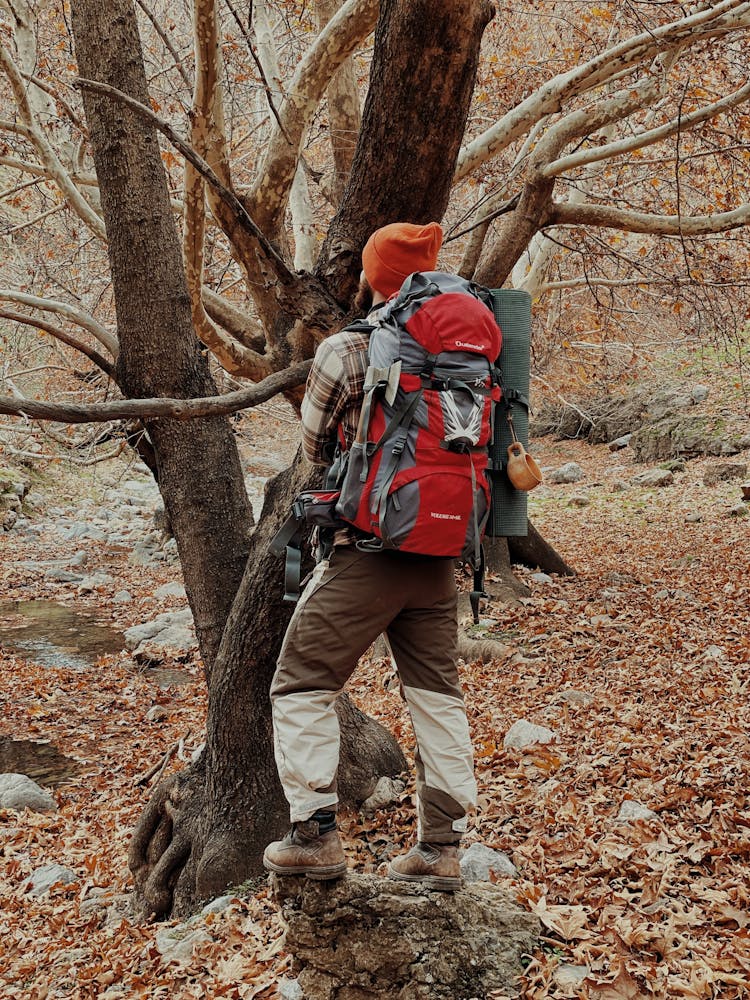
539, 578
524, 734
620, 486
218, 905
699, 393
170, 590
62, 576
571, 472
579, 500
653, 478
176, 944
143, 553
478, 860
632, 810
365, 936
42, 880
79, 559
122, 597
290, 989
156, 714
387, 790
619, 443
694, 518
724, 472
93, 582
18, 791
9, 518
172, 630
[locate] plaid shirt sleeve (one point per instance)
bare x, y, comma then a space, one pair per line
333, 394
326, 398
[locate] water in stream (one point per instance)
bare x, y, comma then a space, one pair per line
55, 635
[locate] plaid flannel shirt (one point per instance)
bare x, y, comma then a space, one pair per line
333, 399
334, 392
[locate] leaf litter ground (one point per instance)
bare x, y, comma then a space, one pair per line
639, 665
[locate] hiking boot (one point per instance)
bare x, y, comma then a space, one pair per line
307, 851
434, 865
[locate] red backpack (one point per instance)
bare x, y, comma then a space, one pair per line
415, 475
414, 478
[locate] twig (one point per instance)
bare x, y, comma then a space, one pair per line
161, 765
507, 206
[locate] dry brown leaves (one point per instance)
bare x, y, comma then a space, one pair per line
653, 630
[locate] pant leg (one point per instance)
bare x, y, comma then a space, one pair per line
424, 641
348, 603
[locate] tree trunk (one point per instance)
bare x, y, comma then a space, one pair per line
421, 82
536, 553
199, 471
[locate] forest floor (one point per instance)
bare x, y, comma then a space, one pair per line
639, 665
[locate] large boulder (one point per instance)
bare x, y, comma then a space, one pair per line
364, 938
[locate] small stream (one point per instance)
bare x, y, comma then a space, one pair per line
55, 635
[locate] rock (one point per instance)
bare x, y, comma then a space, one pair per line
674, 465
699, 393
620, 486
619, 443
172, 630
713, 653
156, 714
62, 576
8, 518
365, 936
691, 435
42, 880
143, 553
572, 697
79, 559
653, 478
176, 944
571, 472
290, 989
18, 791
170, 590
387, 790
218, 905
538, 578
94, 582
524, 734
122, 597
579, 500
479, 860
632, 810
724, 472
694, 518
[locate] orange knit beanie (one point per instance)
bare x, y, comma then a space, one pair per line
396, 251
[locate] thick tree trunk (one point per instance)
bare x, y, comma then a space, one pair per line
199, 471
421, 82
536, 553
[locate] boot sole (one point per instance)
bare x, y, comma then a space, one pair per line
443, 883
319, 874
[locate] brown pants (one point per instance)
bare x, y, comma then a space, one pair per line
350, 600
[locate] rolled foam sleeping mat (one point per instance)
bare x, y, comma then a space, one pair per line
509, 511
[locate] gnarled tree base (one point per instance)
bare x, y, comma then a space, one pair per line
179, 859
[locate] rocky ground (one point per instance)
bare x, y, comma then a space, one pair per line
611, 738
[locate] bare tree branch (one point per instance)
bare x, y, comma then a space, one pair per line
78, 316
643, 222
175, 409
61, 335
280, 268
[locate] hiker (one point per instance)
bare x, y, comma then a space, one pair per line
353, 596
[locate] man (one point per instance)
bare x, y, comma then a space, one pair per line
351, 598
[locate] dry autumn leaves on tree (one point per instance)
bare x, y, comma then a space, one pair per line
186, 189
